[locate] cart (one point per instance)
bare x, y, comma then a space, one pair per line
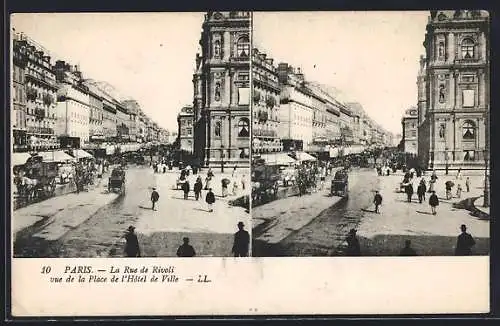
116, 182
340, 184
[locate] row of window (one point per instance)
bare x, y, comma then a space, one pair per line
467, 49
468, 130
243, 128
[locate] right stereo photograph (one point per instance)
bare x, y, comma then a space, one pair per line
370, 133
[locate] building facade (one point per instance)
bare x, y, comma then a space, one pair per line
73, 106
185, 131
133, 109
409, 124
454, 119
221, 105
265, 105
296, 110
18, 96
96, 116
40, 88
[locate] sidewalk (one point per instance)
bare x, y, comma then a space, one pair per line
430, 234
278, 219
63, 212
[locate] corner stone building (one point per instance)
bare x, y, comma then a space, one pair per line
453, 86
221, 106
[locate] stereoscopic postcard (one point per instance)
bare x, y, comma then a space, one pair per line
250, 163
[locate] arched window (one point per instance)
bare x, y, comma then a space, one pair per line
218, 127
243, 127
243, 47
468, 130
467, 48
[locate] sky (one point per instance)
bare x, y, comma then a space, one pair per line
147, 56
371, 57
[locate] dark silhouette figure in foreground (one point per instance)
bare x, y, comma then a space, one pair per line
241, 242
132, 246
465, 242
186, 250
408, 250
353, 247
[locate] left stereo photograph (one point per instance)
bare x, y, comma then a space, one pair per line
130, 134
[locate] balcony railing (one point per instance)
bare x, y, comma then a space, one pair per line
264, 133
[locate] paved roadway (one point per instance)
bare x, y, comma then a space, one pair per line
379, 234
85, 226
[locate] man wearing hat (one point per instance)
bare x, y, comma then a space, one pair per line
353, 247
241, 242
465, 242
132, 246
186, 250
154, 198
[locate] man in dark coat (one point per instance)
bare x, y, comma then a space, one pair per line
198, 185
185, 188
241, 242
408, 250
132, 246
186, 250
353, 247
409, 191
154, 198
465, 242
421, 191
210, 199
377, 200
433, 202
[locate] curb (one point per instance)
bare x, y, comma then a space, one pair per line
468, 204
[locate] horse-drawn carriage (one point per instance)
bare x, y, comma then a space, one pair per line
116, 182
38, 180
340, 184
264, 184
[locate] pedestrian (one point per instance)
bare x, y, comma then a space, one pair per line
154, 198
465, 242
243, 180
241, 242
408, 250
467, 184
353, 247
186, 188
234, 171
224, 184
459, 174
235, 188
198, 185
208, 179
210, 199
185, 250
459, 190
433, 181
448, 186
421, 191
433, 202
409, 190
132, 244
377, 200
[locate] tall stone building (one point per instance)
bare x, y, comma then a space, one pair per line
454, 117
409, 124
266, 100
18, 95
221, 105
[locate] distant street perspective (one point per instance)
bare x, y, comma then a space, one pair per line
375, 141
118, 165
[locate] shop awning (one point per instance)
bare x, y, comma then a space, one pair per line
334, 152
80, 153
277, 159
20, 158
303, 156
56, 156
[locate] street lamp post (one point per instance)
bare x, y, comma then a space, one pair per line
222, 158
486, 194
446, 158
